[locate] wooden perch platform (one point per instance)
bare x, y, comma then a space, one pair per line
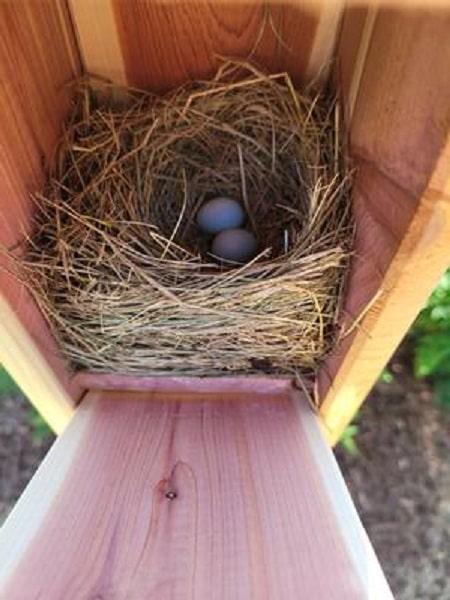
184, 495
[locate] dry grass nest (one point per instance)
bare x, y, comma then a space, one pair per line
119, 267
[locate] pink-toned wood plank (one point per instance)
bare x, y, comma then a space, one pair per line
212, 385
202, 496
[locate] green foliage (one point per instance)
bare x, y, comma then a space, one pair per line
432, 356
39, 428
431, 336
442, 391
7, 383
348, 441
436, 314
386, 376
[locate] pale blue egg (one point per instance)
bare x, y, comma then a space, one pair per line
220, 214
236, 245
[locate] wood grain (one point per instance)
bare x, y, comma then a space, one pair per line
355, 37
402, 116
322, 55
419, 263
97, 37
37, 58
400, 140
159, 45
249, 384
188, 496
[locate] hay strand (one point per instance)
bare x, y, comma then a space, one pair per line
116, 261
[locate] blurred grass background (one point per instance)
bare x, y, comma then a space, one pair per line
39, 428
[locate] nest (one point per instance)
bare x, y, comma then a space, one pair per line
116, 261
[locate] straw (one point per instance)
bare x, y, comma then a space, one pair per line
119, 267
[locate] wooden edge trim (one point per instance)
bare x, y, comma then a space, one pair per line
28, 368
98, 38
237, 384
320, 59
360, 549
358, 69
425, 251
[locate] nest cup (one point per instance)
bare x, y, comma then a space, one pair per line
116, 260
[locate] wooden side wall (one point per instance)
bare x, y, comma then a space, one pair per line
397, 82
37, 58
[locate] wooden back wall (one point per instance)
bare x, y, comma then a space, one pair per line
159, 45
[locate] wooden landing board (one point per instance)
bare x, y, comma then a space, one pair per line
193, 496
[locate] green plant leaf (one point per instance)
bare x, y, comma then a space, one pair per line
386, 376
39, 427
432, 355
442, 392
348, 441
436, 313
7, 383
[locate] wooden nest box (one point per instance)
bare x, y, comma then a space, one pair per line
219, 488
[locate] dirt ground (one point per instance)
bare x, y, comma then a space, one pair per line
400, 481
20, 451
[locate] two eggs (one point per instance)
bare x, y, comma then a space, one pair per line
224, 218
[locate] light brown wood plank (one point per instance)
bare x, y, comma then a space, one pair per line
354, 40
419, 262
400, 138
24, 362
37, 58
258, 507
325, 39
401, 119
98, 38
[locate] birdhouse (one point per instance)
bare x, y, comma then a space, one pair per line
182, 485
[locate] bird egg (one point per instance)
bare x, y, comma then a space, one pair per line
235, 245
220, 214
